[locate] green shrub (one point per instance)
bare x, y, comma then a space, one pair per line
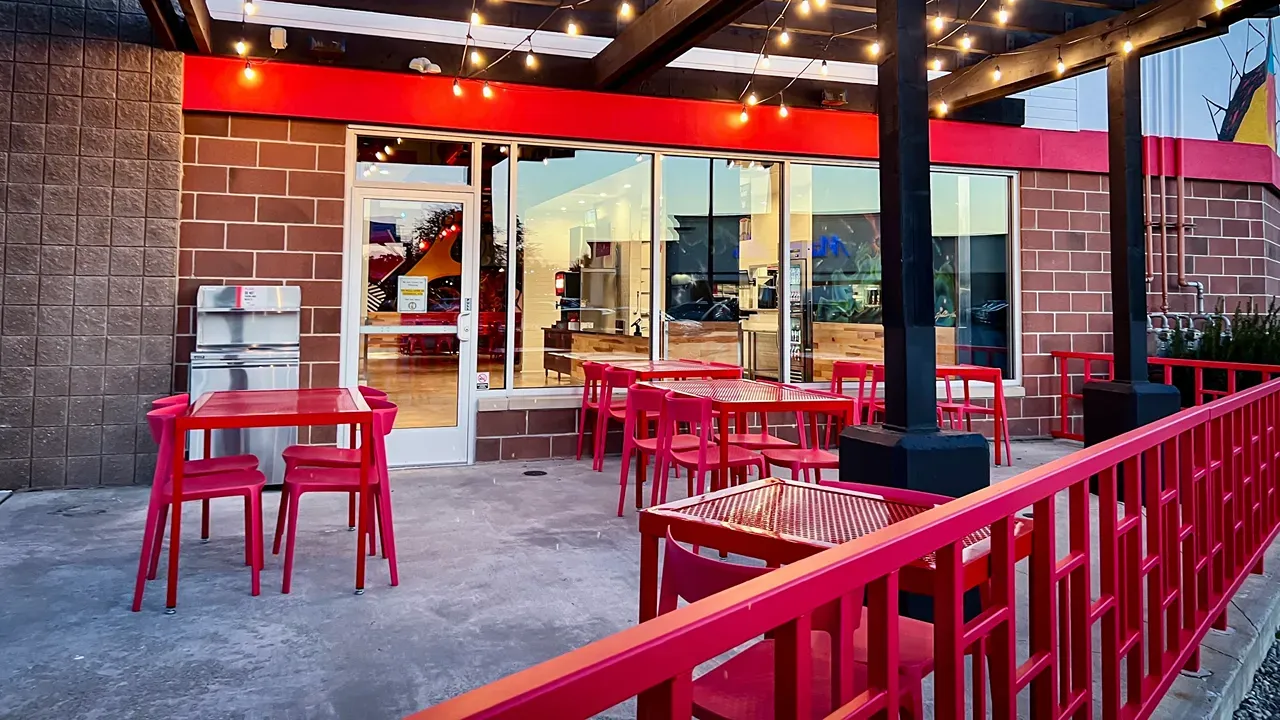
1253, 338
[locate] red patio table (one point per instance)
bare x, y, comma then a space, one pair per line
239, 409
784, 521
672, 369
739, 397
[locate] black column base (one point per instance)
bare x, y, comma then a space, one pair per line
1114, 408
946, 463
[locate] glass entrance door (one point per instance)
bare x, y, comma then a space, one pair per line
416, 275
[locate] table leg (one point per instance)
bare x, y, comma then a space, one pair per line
175, 531
722, 474
640, 464
648, 576
362, 516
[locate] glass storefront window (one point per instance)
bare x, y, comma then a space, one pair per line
583, 250
720, 229
495, 202
835, 268
391, 158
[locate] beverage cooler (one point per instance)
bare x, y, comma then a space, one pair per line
246, 339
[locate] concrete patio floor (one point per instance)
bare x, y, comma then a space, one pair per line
499, 571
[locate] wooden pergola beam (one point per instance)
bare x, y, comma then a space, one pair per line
159, 21
197, 14
1151, 27
665, 31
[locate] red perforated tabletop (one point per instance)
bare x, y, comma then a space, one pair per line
652, 370
783, 521
751, 396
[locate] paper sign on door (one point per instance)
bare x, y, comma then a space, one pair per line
413, 294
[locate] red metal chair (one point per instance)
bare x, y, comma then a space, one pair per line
238, 483
964, 410
593, 377
744, 685
609, 409
696, 414
207, 465
644, 405
842, 370
302, 480
808, 456
331, 456
875, 404
762, 440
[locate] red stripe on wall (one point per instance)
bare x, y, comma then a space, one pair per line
214, 84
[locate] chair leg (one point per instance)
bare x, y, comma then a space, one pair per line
280, 519
145, 554
817, 475
351, 512
373, 543
158, 542
204, 521
627, 449
292, 529
660, 472
253, 539
582, 429
388, 530
598, 440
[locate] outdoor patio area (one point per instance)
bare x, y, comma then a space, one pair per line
499, 571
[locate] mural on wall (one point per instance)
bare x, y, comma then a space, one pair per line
1250, 114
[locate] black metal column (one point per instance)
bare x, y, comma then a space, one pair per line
1130, 400
906, 236
908, 451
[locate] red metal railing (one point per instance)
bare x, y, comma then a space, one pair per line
1200, 509
1228, 375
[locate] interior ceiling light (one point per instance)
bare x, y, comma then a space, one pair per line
625, 10
804, 7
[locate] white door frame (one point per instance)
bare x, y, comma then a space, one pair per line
418, 446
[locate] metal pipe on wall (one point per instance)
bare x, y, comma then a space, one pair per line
1180, 170
1161, 186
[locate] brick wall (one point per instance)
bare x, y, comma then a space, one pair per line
262, 204
1233, 248
90, 125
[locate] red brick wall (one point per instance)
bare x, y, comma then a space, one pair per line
1066, 286
262, 203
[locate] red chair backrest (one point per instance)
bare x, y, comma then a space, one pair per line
182, 399
161, 422
892, 494
843, 370
642, 399
689, 576
368, 392
877, 377
696, 413
614, 378
593, 377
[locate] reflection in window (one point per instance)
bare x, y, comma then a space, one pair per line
720, 229
491, 293
399, 159
583, 249
836, 268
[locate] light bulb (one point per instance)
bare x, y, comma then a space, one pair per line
399, 141
942, 107
486, 91
241, 48
476, 19
387, 149
1128, 46
784, 37
476, 57
820, 3
571, 28
530, 60
457, 88
966, 42
743, 116
1062, 67
938, 22
764, 60
382, 157
783, 111
874, 49
1002, 16
249, 7
937, 64
804, 7
752, 99
249, 72
1220, 4
822, 68
996, 73
625, 10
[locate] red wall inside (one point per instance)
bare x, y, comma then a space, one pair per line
381, 98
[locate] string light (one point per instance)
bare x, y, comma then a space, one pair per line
530, 60
382, 157
942, 107
485, 90
1002, 17
388, 150
764, 60
995, 74
1128, 43
476, 19
784, 37
571, 27
625, 10
937, 64
823, 69
804, 7
249, 7
782, 109
874, 49
752, 99
743, 116
241, 48
1061, 67
1220, 4
938, 22
820, 3
476, 57
249, 72
457, 88
966, 42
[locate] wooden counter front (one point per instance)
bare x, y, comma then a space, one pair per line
855, 341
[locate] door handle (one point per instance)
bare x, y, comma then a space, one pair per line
464, 327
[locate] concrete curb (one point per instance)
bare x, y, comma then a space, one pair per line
4, 495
